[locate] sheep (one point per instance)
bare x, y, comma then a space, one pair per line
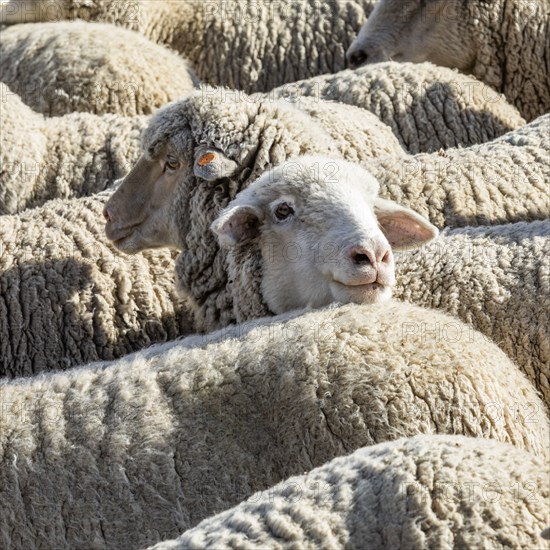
250, 46
62, 157
421, 492
68, 297
228, 142
503, 43
427, 107
496, 278
33, 241
60, 68
128, 453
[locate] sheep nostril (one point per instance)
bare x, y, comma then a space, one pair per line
360, 259
106, 215
357, 58
386, 259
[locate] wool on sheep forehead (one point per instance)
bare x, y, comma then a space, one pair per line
216, 120
169, 125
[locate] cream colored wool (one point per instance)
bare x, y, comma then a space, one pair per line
243, 44
68, 297
495, 278
63, 157
427, 107
129, 453
358, 135
504, 43
59, 68
503, 181
439, 492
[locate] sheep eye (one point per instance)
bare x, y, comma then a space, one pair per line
171, 163
283, 211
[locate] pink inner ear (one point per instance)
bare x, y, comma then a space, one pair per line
403, 231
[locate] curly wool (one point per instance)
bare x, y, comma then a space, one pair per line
136, 451
427, 107
263, 44
503, 181
60, 68
63, 157
495, 278
422, 492
512, 51
68, 297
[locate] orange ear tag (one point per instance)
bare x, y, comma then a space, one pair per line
207, 158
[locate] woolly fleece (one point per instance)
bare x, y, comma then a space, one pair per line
441, 492
427, 107
503, 181
60, 68
137, 451
504, 43
68, 297
495, 278
250, 46
63, 157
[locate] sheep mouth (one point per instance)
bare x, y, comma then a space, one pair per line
361, 293
358, 285
118, 242
119, 235
125, 242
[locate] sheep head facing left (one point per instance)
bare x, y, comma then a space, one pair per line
322, 233
416, 31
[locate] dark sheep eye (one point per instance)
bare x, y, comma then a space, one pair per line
283, 211
171, 163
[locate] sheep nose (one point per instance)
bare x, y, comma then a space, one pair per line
362, 256
356, 58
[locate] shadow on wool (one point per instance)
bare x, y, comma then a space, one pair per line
52, 317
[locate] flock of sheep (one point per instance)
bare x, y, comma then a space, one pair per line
212, 179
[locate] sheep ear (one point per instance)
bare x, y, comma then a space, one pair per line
212, 164
403, 227
237, 224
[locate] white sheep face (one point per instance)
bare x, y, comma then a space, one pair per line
323, 233
416, 31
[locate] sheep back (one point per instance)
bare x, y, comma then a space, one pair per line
137, 451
